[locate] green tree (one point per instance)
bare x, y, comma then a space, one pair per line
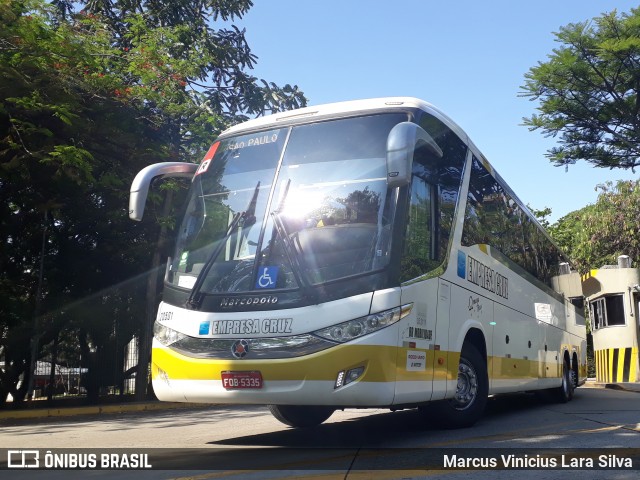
570, 235
589, 92
90, 93
541, 215
597, 234
65, 143
193, 76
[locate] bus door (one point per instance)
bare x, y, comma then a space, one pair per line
422, 256
415, 361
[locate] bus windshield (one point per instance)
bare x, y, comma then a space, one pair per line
288, 208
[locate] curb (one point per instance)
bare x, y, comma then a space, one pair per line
624, 386
94, 410
627, 387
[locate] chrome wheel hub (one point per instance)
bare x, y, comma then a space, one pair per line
467, 389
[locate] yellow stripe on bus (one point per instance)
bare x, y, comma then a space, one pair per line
382, 364
505, 368
379, 362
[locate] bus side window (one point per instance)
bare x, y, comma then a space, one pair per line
420, 248
433, 198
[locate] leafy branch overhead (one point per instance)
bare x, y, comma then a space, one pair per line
588, 92
91, 92
597, 234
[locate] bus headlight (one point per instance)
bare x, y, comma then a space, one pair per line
165, 335
349, 330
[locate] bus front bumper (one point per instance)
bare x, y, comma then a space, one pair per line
306, 380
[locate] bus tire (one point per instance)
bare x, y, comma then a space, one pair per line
564, 393
301, 416
575, 377
470, 399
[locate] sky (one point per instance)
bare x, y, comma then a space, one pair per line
468, 58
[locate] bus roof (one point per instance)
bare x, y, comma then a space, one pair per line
345, 108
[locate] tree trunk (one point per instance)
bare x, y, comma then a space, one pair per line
52, 371
36, 312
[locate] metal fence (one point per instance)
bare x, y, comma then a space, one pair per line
71, 380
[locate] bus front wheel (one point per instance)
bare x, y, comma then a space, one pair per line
467, 405
301, 416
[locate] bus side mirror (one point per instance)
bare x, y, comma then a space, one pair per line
140, 184
403, 140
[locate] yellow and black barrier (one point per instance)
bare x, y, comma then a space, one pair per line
617, 365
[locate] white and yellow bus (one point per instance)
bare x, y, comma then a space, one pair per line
359, 254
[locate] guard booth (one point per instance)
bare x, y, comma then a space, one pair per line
612, 293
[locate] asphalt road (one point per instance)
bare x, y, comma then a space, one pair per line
597, 429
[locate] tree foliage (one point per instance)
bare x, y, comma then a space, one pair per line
589, 92
90, 93
597, 234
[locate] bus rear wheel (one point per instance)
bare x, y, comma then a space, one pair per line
564, 393
467, 405
301, 416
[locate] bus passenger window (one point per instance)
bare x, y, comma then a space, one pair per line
420, 252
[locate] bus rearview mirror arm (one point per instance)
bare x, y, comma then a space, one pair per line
402, 142
140, 185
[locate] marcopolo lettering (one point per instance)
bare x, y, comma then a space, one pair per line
248, 301
487, 278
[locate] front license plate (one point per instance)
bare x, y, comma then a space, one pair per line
240, 380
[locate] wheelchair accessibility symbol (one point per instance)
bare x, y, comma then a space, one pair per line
267, 278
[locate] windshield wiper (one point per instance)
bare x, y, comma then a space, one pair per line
299, 266
248, 218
